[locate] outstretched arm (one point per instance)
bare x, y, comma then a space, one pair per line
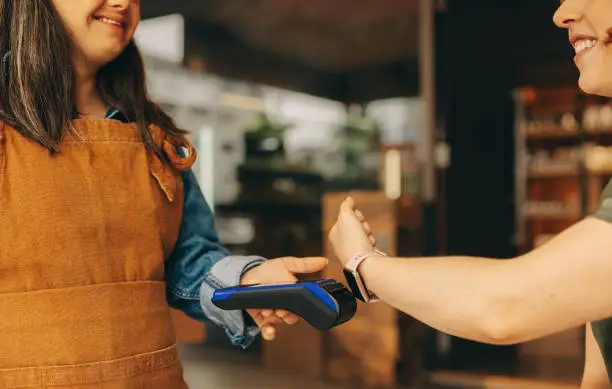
563, 284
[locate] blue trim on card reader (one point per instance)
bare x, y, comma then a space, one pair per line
313, 287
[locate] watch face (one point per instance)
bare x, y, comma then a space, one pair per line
353, 284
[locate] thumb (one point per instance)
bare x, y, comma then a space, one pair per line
305, 265
348, 205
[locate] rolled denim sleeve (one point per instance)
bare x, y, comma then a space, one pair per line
199, 265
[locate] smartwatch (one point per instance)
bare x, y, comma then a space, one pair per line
354, 279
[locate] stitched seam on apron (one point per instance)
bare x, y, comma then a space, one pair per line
90, 373
88, 140
77, 287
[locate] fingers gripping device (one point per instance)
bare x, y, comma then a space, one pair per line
323, 304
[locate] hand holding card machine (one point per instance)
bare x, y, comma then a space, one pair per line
323, 304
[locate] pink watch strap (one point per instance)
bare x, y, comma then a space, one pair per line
353, 266
354, 262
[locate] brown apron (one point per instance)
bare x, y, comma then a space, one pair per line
83, 239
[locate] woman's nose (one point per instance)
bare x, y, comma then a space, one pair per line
569, 12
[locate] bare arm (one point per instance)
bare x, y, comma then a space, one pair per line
595, 375
561, 285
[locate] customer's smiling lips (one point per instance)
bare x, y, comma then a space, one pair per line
583, 44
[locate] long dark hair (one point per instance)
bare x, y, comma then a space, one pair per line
37, 91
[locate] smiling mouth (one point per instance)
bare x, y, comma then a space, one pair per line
111, 22
583, 45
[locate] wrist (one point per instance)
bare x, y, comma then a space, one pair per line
357, 275
366, 270
244, 276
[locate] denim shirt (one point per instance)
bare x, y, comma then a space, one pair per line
199, 265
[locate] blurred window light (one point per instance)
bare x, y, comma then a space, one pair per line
401, 118
237, 101
162, 37
294, 106
393, 174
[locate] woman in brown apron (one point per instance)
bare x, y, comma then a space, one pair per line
103, 226
562, 284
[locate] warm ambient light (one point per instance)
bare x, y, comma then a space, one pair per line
393, 174
242, 102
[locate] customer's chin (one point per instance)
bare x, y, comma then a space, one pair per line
593, 85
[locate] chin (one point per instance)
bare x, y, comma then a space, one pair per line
104, 55
594, 84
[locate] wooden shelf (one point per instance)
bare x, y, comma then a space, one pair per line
598, 133
572, 216
596, 173
565, 173
553, 173
550, 210
554, 134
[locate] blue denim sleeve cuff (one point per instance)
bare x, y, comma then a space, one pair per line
224, 274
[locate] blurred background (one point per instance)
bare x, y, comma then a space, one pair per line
456, 124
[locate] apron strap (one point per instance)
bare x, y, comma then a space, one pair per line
182, 155
172, 148
2, 152
180, 152
2, 144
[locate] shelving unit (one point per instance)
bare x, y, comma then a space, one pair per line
563, 162
549, 187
